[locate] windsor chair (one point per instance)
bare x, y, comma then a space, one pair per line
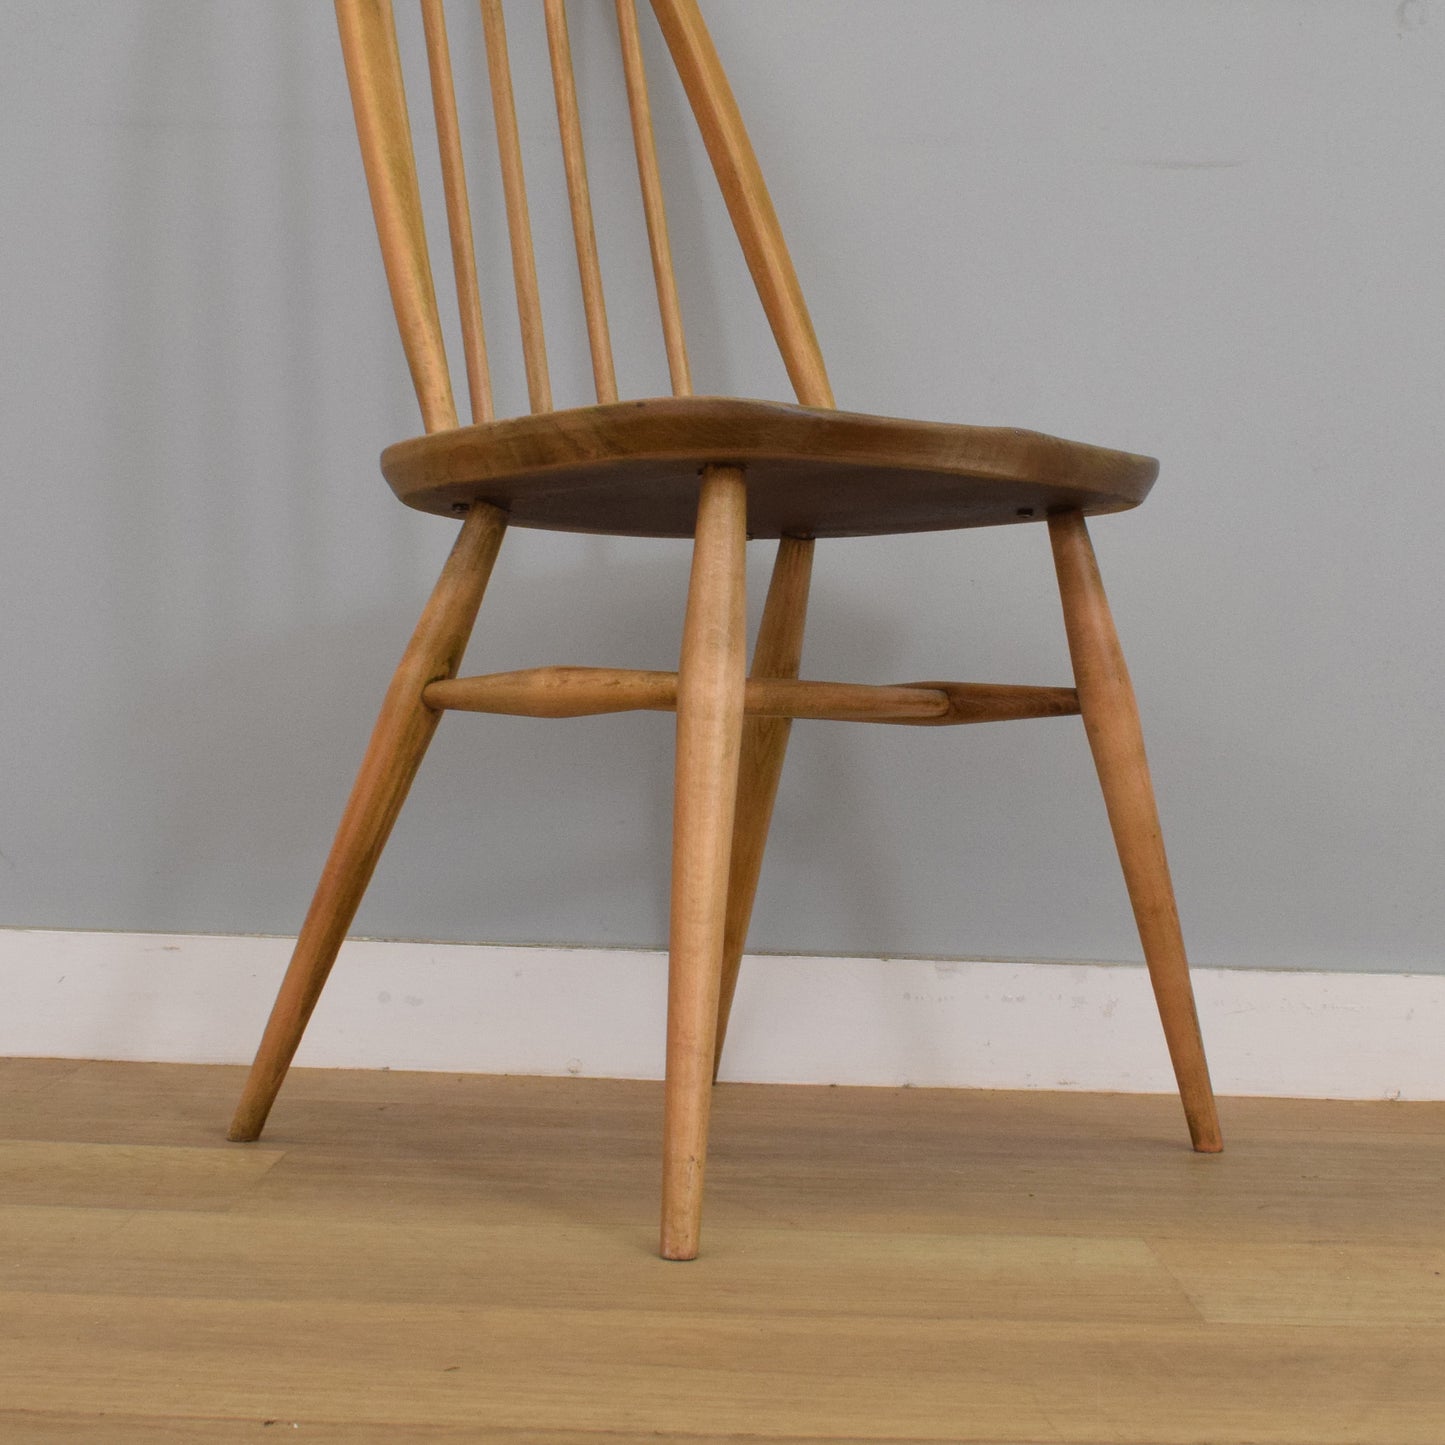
716, 470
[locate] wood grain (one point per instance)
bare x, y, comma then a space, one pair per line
373, 70
1309, 1284
459, 215
654, 207
979, 702
796, 1376
710, 690
398, 743
115, 1177
579, 196
558, 692
718, 470
631, 469
1111, 720
740, 178
435, 1256
778, 654
584, 691
519, 221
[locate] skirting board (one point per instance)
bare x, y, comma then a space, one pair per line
600, 1012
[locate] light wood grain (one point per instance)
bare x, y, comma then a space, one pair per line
783, 697
373, 70
117, 1176
1111, 719
767, 470
579, 196
509, 1266
710, 690
1380, 1284
519, 221
631, 469
778, 654
583, 691
447, 1147
634, 1372
436, 1256
459, 215
654, 207
980, 702
398, 743
740, 178
558, 692
49, 1427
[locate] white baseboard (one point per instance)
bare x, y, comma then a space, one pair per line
600, 1012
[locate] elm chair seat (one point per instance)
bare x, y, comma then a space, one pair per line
630, 468
716, 470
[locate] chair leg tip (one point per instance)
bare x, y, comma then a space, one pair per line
1204, 1135
244, 1130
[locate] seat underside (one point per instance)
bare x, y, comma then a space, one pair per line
631, 469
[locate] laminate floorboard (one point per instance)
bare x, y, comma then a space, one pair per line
422, 1257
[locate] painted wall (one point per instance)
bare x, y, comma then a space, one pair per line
1212, 233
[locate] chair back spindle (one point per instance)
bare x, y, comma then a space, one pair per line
369, 46
373, 71
654, 209
740, 178
574, 161
519, 223
459, 214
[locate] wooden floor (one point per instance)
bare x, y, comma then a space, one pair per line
422, 1257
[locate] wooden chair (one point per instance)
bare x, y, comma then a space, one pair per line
718, 470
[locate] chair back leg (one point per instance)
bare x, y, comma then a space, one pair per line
1111, 720
711, 676
398, 743
779, 653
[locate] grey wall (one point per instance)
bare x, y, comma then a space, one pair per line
1208, 232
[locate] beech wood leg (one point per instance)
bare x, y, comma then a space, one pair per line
779, 653
711, 675
1111, 720
398, 743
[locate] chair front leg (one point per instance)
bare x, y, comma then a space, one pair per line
711, 675
398, 743
1111, 721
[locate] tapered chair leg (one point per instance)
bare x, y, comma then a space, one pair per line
1111, 720
398, 743
711, 675
779, 653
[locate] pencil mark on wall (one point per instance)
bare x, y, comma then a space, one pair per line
1188, 165
1412, 14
